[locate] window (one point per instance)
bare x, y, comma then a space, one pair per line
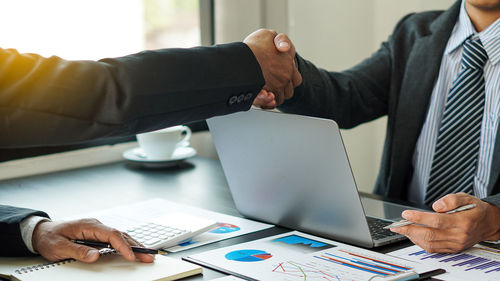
95, 29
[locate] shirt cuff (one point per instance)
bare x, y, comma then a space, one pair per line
27, 227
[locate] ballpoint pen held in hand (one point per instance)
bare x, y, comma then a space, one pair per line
406, 222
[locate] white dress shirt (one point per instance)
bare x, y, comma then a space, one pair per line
449, 70
27, 227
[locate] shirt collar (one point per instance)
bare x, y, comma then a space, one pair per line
490, 37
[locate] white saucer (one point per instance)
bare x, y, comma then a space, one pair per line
138, 156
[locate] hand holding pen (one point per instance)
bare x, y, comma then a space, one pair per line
406, 222
439, 232
135, 249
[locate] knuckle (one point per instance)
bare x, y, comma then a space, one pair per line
115, 232
404, 231
461, 238
428, 235
81, 252
451, 200
437, 222
429, 248
88, 221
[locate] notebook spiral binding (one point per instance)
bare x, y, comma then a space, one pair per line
34, 268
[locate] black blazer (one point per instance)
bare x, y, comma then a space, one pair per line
10, 233
396, 81
51, 101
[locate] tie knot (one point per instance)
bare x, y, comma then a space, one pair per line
474, 55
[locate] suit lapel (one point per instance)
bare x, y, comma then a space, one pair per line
421, 72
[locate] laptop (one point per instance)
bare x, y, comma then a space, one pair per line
293, 171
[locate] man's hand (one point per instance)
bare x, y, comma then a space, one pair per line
52, 241
450, 233
276, 56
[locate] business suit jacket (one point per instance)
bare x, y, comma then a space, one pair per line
51, 101
10, 234
396, 81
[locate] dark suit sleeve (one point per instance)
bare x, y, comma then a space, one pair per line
356, 95
493, 199
10, 233
52, 101
350, 97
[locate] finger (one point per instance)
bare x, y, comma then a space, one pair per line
283, 43
65, 249
422, 234
452, 201
296, 77
265, 100
279, 96
434, 220
436, 247
288, 91
140, 256
91, 229
272, 102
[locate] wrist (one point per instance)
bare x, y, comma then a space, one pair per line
39, 232
494, 220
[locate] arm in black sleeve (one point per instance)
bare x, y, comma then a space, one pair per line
10, 233
51, 101
350, 97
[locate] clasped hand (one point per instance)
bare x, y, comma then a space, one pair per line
276, 56
450, 233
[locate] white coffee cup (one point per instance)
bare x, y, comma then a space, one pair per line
161, 144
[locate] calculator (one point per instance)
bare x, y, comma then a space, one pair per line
170, 230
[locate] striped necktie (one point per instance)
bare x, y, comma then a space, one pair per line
457, 147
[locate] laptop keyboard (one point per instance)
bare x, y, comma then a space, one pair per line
377, 228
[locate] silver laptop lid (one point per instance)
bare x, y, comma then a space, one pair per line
291, 170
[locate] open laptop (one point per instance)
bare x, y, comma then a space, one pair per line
293, 171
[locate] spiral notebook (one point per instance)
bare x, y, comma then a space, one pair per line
110, 266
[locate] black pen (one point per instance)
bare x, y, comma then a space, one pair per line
427, 275
107, 245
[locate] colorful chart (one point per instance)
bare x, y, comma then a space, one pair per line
223, 228
248, 255
363, 263
188, 243
465, 261
301, 244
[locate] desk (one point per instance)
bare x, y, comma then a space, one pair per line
199, 182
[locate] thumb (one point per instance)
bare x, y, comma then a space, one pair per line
282, 43
78, 252
451, 202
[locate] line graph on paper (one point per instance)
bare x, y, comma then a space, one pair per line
337, 265
298, 271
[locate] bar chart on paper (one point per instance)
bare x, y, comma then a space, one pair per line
480, 263
297, 256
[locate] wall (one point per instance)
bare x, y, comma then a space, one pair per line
334, 34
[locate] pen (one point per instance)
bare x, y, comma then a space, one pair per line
405, 222
107, 245
427, 275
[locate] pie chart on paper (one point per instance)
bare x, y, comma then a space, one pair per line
248, 255
223, 228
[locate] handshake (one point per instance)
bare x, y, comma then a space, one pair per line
276, 56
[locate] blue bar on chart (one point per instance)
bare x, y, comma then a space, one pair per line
467, 262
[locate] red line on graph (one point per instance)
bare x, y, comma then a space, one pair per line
279, 265
360, 256
355, 265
